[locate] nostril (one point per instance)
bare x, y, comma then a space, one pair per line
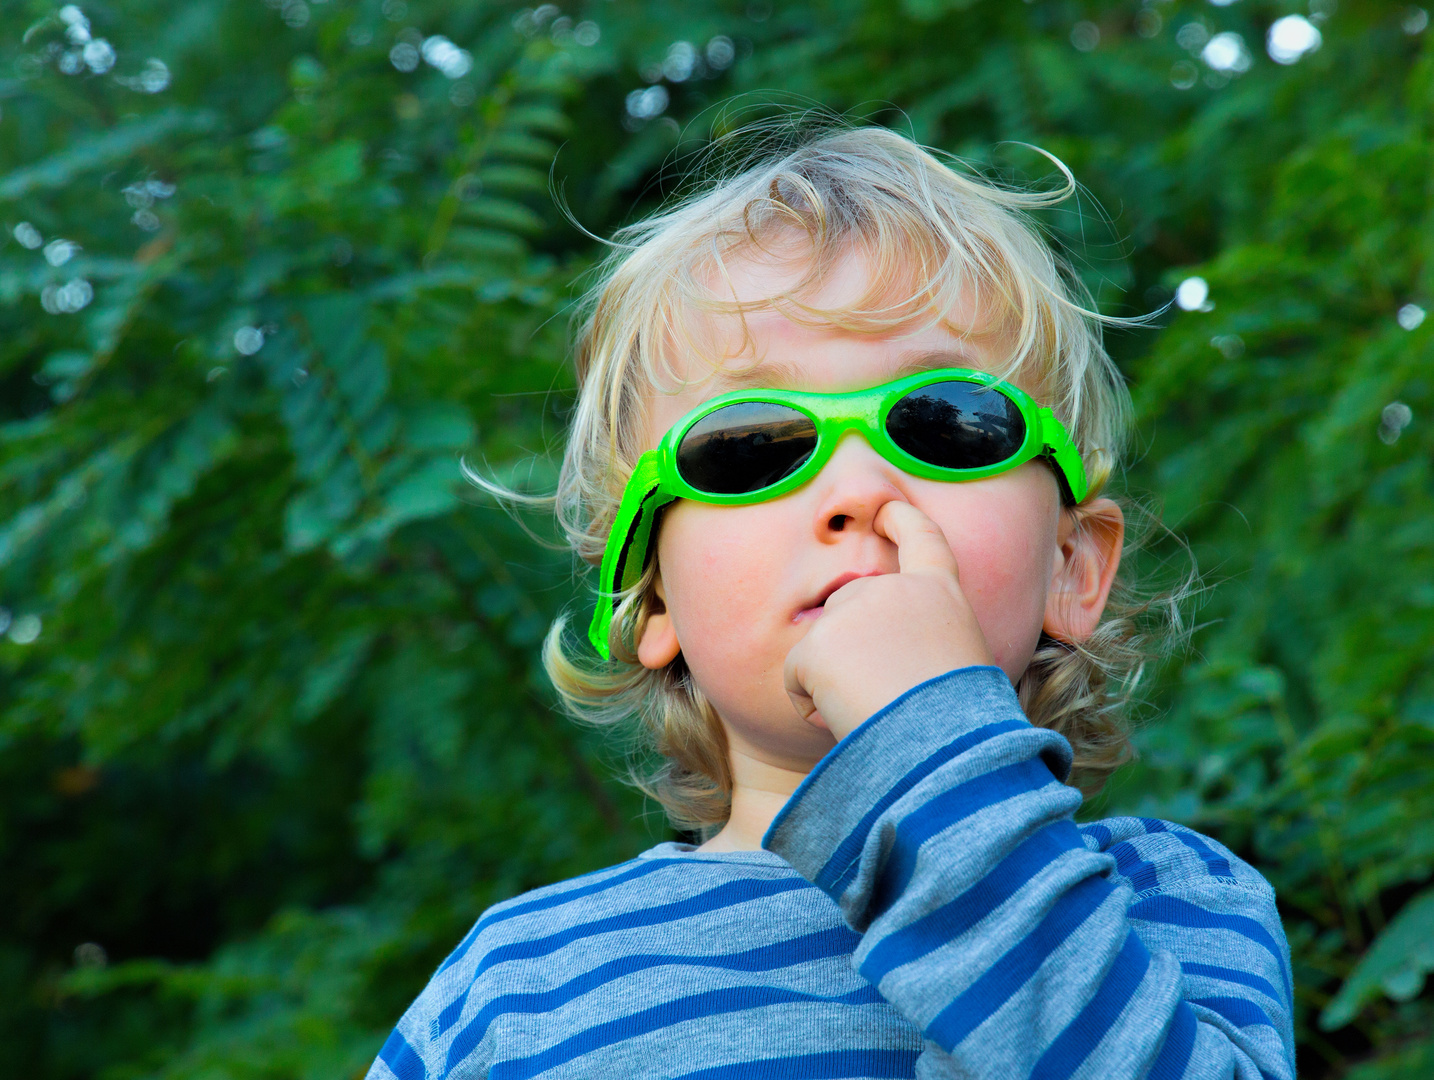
837, 523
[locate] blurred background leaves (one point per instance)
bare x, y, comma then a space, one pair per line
272, 732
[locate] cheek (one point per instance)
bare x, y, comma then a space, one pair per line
718, 575
1003, 536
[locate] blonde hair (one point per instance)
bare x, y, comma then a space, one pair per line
932, 235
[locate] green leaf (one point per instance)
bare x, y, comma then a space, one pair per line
327, 679
1395, 965
105, 150
66, 364
336, 166
1411, 1061
503, 213
429, 492
931, 10
307, 522
513, 178
438, 426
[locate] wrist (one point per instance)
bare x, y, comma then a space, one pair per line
890, 749
843, 712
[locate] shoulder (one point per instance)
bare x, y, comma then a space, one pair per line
436, 1030
666, 883
547, 917
1156, 857
534, 952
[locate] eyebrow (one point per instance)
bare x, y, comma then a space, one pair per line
930, 360
764, 376
772, 374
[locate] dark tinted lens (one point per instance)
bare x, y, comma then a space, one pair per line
745, 447
957, 425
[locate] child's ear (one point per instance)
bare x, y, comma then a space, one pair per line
1087, 556
657, 644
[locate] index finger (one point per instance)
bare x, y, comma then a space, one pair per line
921, 546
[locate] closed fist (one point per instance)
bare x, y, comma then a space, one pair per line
878, 637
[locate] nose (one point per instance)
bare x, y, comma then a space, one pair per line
851, 488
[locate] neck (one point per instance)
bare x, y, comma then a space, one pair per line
759, 790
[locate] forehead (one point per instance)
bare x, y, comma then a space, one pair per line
811, 347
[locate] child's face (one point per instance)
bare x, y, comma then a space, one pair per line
743, 584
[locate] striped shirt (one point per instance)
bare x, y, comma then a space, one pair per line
924, 905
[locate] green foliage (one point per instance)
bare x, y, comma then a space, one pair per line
271, 728
1396, 964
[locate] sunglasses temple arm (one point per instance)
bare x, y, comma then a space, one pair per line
1062, 450
628, 544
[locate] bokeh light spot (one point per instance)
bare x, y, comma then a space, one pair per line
1192, 36
59, 252
647, 104
447, 57
1231, 346
248, 340
1290, 38
99, 55
28, 235
1393, 419
75, 295
1193, 294
720, 53
295, 13
25, 630
404, 56
1184, 75
680, 62
1085, 36
1227, 54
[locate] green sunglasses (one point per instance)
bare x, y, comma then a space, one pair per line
751, 446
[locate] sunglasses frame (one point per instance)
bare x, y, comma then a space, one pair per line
656, 480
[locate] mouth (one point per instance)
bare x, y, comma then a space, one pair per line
813, 607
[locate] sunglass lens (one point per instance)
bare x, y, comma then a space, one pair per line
957, 425
745, 447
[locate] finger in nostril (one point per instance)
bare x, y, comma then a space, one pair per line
837, 522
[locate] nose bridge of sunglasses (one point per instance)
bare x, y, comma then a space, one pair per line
859, 413
867, 435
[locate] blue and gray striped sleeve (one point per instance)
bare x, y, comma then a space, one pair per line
1017, 942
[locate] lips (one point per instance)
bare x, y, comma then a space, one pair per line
813, 607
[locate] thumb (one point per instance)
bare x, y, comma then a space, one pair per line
921, 546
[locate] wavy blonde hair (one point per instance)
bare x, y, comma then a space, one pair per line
932, 234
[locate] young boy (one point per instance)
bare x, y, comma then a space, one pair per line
839, 444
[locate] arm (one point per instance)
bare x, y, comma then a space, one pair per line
943, 831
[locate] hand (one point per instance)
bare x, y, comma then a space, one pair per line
879, 636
